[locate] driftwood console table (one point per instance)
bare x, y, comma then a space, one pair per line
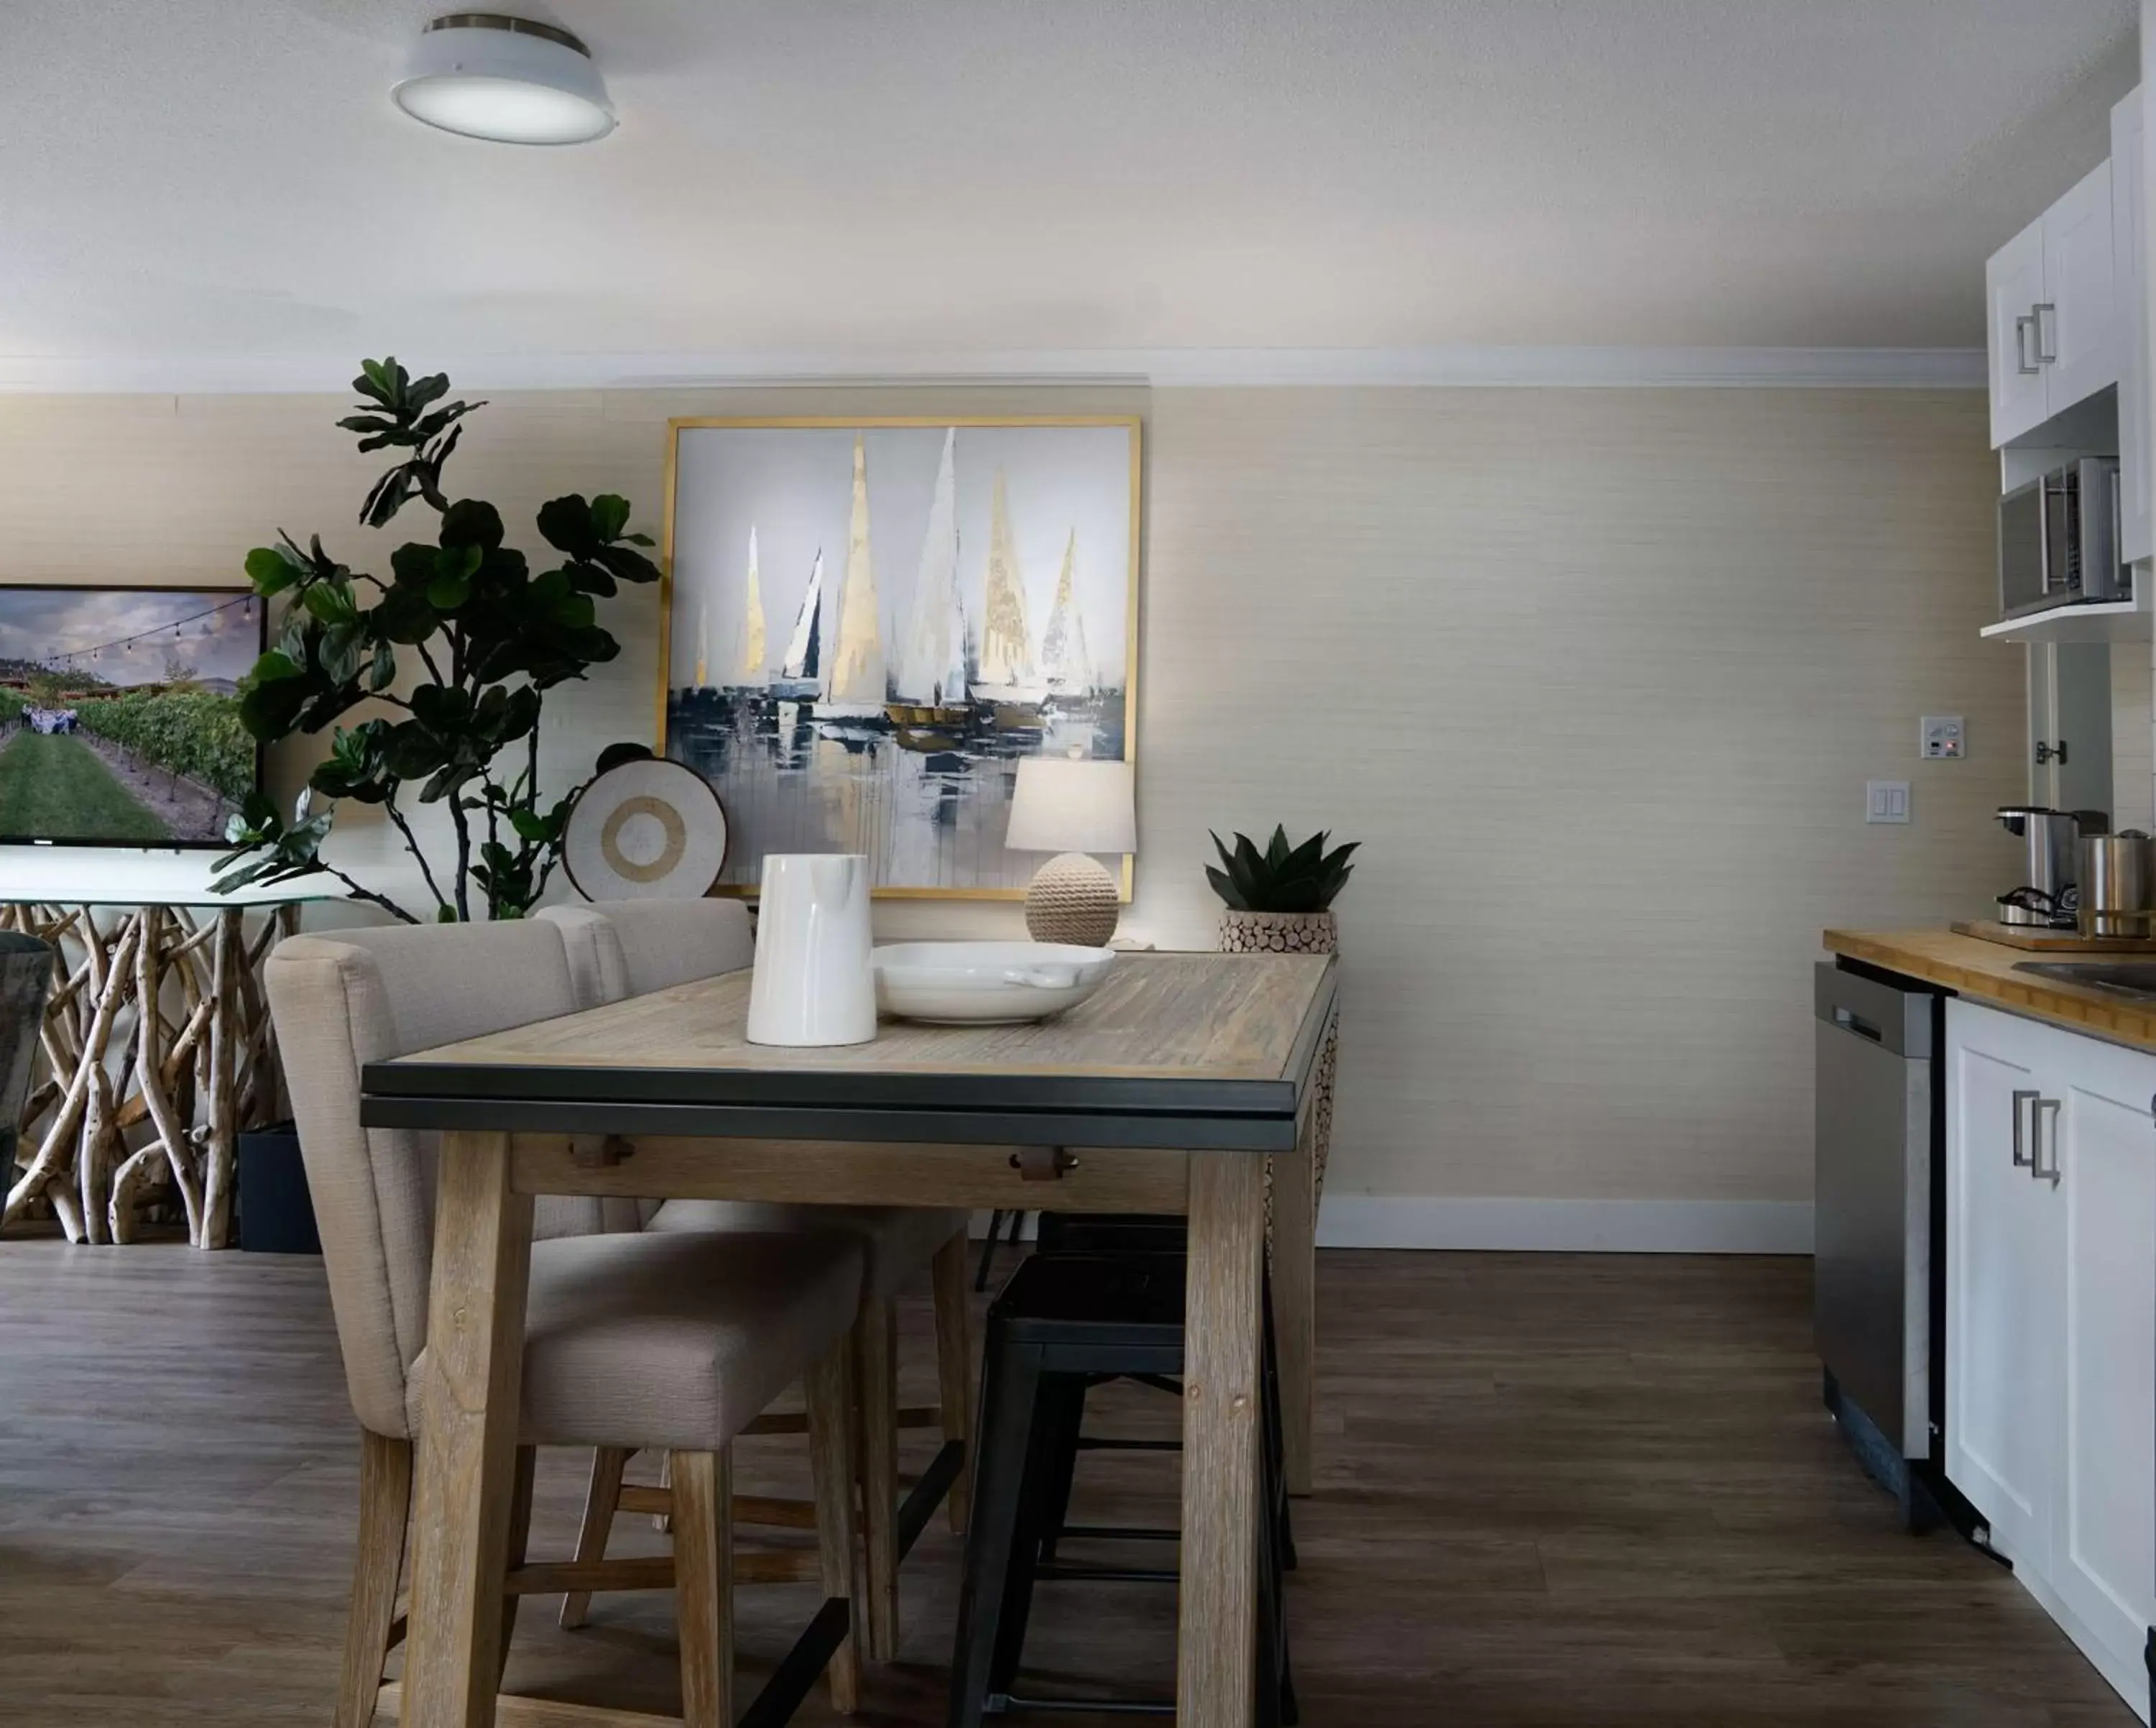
157, 1045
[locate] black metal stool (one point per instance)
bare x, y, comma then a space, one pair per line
1064, 1323
1166, 1233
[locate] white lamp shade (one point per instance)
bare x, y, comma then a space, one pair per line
511, 81
1066, 805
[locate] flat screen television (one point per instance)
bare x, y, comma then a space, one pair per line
120, 713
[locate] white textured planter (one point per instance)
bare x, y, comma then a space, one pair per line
1294, 933
1278, 932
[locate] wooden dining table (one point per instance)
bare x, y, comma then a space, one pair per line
1187, 1084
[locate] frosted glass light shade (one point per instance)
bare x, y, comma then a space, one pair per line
510, 80
1066, 805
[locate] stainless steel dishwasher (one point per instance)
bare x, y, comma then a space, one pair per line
1877, 1208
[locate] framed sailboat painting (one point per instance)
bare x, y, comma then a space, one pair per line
868, 623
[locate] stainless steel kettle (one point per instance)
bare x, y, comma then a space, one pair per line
2049, 894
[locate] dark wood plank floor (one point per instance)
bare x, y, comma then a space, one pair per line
1552, 1491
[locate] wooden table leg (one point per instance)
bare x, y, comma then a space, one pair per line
467, 1439
1294, 1306
1217, 1639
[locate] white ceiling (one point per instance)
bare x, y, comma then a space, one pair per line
225, 181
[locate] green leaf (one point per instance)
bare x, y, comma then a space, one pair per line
332, 602
273, 666
403, 614
1226, 889
565, 524
610, 515
411, 751
383, 672
626, 751
472, 521
627, 566
343, 645
270, 571
415, 563
441, 708
269, 712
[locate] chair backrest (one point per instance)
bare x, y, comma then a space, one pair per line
631, 948
26, 981
359, 996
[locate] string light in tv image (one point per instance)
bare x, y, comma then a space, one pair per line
120, 713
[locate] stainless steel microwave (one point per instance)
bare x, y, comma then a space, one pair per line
2059, 540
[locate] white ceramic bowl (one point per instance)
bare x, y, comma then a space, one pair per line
986, 983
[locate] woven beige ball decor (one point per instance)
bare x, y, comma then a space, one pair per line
1072, 899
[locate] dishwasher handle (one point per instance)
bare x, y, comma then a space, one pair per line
1896, 1020
1850, 1021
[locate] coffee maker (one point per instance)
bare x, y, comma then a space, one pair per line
2049, 895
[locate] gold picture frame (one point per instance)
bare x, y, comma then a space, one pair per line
1131, 425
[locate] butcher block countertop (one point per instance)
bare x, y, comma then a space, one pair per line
1983, 972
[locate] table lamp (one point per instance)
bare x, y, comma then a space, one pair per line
1072, 806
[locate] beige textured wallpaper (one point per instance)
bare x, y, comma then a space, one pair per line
1598, 677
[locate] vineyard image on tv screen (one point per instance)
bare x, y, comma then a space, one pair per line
120, 713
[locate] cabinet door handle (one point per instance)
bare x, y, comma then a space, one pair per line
2022, 1157
2036, 315
2037, 1173
2022, 363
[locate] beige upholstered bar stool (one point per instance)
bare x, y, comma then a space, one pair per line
631, 948
632, 1340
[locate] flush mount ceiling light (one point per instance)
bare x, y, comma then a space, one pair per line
510, 79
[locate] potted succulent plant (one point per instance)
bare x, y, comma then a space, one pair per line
1279, 900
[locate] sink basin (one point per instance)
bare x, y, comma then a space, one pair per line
2126, 978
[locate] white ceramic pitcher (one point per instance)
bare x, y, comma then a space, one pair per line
811, 982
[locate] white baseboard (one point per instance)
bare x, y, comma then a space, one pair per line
1576, 1227
1599, 1226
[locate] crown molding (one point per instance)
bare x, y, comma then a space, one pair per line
1165, 368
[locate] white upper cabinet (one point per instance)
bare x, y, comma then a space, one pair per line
2129, 239
2054, 323
2014, 286
2076, 326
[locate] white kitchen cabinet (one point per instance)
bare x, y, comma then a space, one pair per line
2001, 1283
2129, 235
2076, 328
2053, 319
2014, 288
2051, 1412
2104, 1183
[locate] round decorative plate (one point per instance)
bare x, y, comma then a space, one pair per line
648, 830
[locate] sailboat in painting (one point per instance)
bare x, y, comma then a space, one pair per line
800, 674
1066, 662
750, 673
857, 686
1006, 678
928, 685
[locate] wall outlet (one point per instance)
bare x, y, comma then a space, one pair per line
1886, 800
1940, 738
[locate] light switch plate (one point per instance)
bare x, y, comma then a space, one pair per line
1940, 738
1886, 800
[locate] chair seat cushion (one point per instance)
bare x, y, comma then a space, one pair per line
669, 1340
898, 1241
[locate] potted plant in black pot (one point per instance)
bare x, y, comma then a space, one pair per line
430, 681
1279, 900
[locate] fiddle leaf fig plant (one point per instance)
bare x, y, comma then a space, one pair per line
1282, 877
490, 636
